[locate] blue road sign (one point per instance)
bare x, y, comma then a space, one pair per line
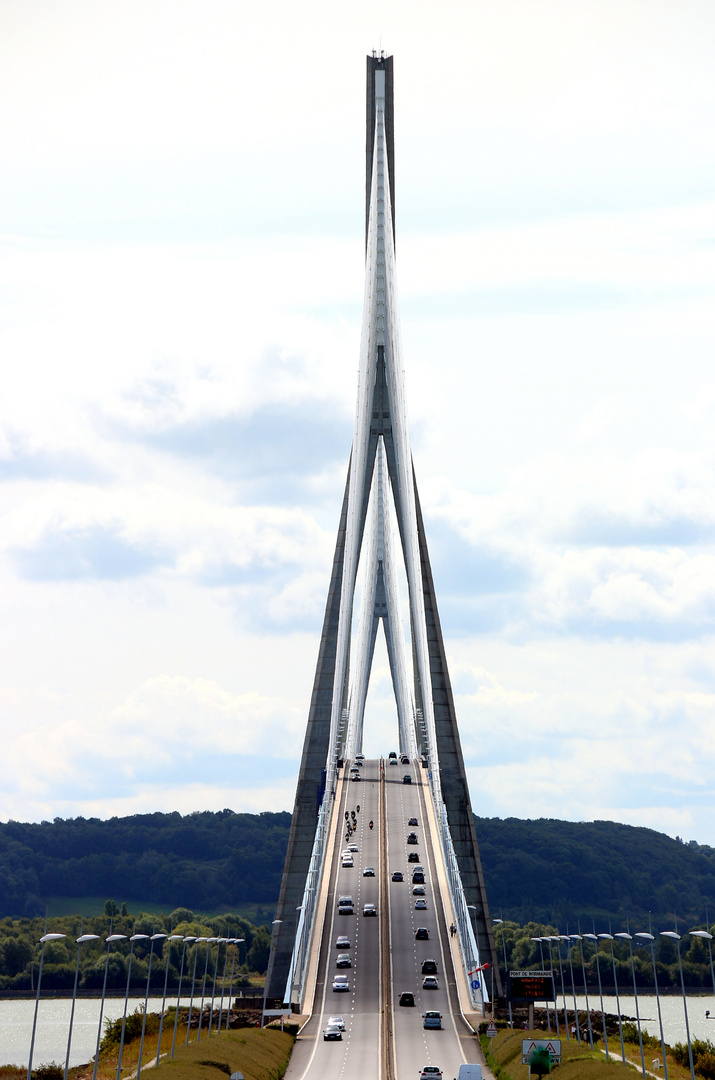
475, 984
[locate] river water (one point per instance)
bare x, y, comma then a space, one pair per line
53, 1025
54, 1014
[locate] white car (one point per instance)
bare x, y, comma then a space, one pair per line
369, 871
336, 1021
340, 983
429, 983
420, 905
369, 909
353, 848
430, 1072
347, 861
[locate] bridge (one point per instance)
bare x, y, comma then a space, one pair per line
441, 914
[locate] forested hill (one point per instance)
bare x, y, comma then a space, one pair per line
547, 870
553, 871
205, 861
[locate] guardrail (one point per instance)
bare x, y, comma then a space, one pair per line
465, 930
295, 985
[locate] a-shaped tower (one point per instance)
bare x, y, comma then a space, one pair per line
380, 485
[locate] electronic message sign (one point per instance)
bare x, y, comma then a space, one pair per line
531, 986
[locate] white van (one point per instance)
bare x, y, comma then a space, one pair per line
469, 1072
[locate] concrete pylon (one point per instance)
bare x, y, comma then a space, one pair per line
380, 484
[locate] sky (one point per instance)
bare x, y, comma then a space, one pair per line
181, 262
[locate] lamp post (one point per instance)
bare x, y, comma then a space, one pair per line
227, 942
219, 942
647, 941
276, 923
567, 939
187, 940
193, 984
543, 968
209, 942
43, 941
152, 939
500, 922
629, 939
80, 942
705, 936
109, 941
594, 939
132, 939
557, 939
553, 981
609, 938
676, 938
577, 937
236, 942
172, 937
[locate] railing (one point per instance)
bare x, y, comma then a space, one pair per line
295, 985
465, 930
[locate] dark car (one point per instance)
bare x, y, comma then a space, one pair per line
418, 878
398, 876
407, 998
429, 967
413, 821
412, 838
404, 759
414, 856
421, 933
407, 779
343, 960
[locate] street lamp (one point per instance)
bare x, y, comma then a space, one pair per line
276, 923
187, 940
219, 942
567, 939
647, 941
236, 942
594, 939
577, 937
172, 937
209, 943
609, 938
709, 938
43, 942
676, 938
132, 939
557, 939
500, 922
109, 941
629, 939
153, 938
543, 968
227, 942
193, 984
80, 941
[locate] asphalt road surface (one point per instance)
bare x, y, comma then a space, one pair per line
359, 1054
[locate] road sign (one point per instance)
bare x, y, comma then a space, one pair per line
552, 1045
475, 984
491, 1029
530, 986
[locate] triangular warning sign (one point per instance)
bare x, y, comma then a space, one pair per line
530, 1047
551, 1048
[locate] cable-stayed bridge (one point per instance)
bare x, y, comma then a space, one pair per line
381, 555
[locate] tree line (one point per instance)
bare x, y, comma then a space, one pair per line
20, 950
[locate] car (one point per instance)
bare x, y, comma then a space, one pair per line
429, 983
343, 960
331, 1031
420, 905
346, 853
413, 856
393, 761
341, 984
412, 838
398, 876
429, 967
418, 890
393, 755
352, 848
418, 878
347, 863
421, 933
338, 1021
355, 777
430, 1072
346, 905
360, 758
404, 759
413, 821
369, 871
406, 998
342, 942
407, 779
432, 1019
369, 909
